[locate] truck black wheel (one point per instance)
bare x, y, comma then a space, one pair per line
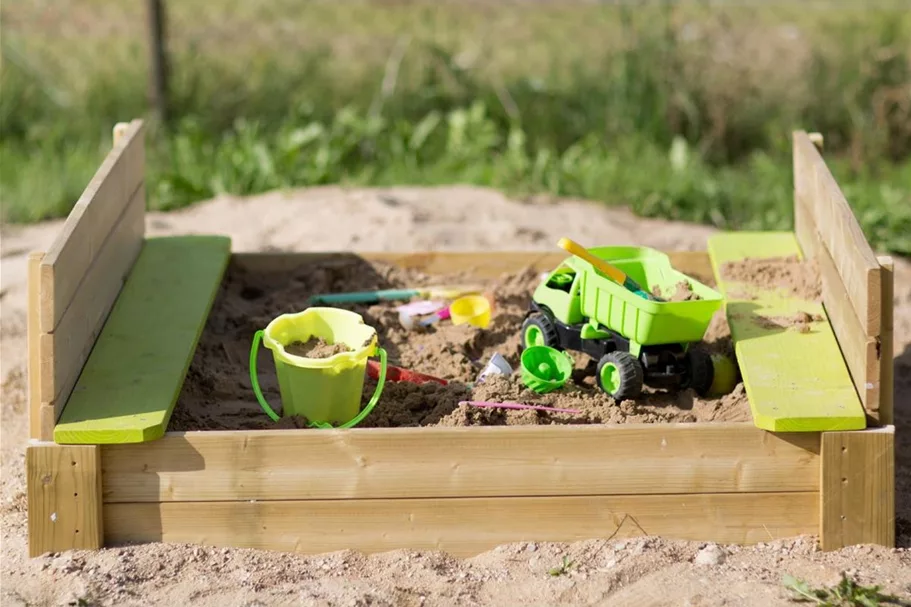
539, 330
620, 375
700, 371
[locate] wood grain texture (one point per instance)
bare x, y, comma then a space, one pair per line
65, 350
857, 494
461, 462
48, 417
480, 265
64, 498
789, 391
120, 130
803, 172
886, 414
860, 351
37, 430
840, 233
462, 527
132, 378
89, 224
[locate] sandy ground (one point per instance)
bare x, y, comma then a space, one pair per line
218, 395
645, 571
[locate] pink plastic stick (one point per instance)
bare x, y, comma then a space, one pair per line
478, 403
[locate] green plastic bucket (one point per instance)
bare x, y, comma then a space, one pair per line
328, 390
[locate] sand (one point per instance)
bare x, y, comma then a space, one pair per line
794, 277
682, 291
643, 572
218, 396
315, 348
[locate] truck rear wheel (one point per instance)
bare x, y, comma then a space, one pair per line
539, 330
620, 375
700, 371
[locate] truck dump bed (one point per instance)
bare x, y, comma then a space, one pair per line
638, 319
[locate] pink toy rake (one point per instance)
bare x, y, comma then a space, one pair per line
490, 405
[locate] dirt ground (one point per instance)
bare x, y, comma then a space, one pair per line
643, 572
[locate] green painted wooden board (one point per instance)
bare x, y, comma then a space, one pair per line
796, 382
131, 380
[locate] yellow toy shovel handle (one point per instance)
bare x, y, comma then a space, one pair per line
578, 250
612, 272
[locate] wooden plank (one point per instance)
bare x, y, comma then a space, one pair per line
861, 352
840, 233
887, 345
804, 173
121, 130
131, 381
48, 418
33, 340
65, 350
461, 462
481, 265
64, 498
89, 224
857, 497
462, 527
789, 390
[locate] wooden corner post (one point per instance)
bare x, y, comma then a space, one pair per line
64, 498
857, 488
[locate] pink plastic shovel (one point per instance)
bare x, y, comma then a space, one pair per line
489, 405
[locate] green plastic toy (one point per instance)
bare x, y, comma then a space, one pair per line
636, 340
326, 391
545, 369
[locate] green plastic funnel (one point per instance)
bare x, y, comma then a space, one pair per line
545, 369
324, 390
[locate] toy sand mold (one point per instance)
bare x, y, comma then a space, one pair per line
325, 391
635, 337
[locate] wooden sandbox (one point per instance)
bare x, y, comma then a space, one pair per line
103, 470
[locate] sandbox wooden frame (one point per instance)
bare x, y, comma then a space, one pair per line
463, 490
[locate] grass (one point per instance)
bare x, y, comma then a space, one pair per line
846, 593
561, 569
677, 110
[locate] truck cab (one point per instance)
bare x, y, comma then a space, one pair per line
560, 293
555, 317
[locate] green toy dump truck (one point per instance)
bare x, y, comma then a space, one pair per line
634, 340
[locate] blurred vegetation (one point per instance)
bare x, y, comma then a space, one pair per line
676, 109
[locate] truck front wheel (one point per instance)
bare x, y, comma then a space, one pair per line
620, 375
539, 330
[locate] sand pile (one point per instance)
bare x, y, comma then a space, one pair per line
315, 348
795, 277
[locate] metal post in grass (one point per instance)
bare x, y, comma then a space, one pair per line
158, 64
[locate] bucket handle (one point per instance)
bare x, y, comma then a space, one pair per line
254, 380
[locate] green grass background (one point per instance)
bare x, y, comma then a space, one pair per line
681, 110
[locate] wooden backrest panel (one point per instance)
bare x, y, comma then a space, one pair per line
839, 231
89, 224
856, 289
76, 281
